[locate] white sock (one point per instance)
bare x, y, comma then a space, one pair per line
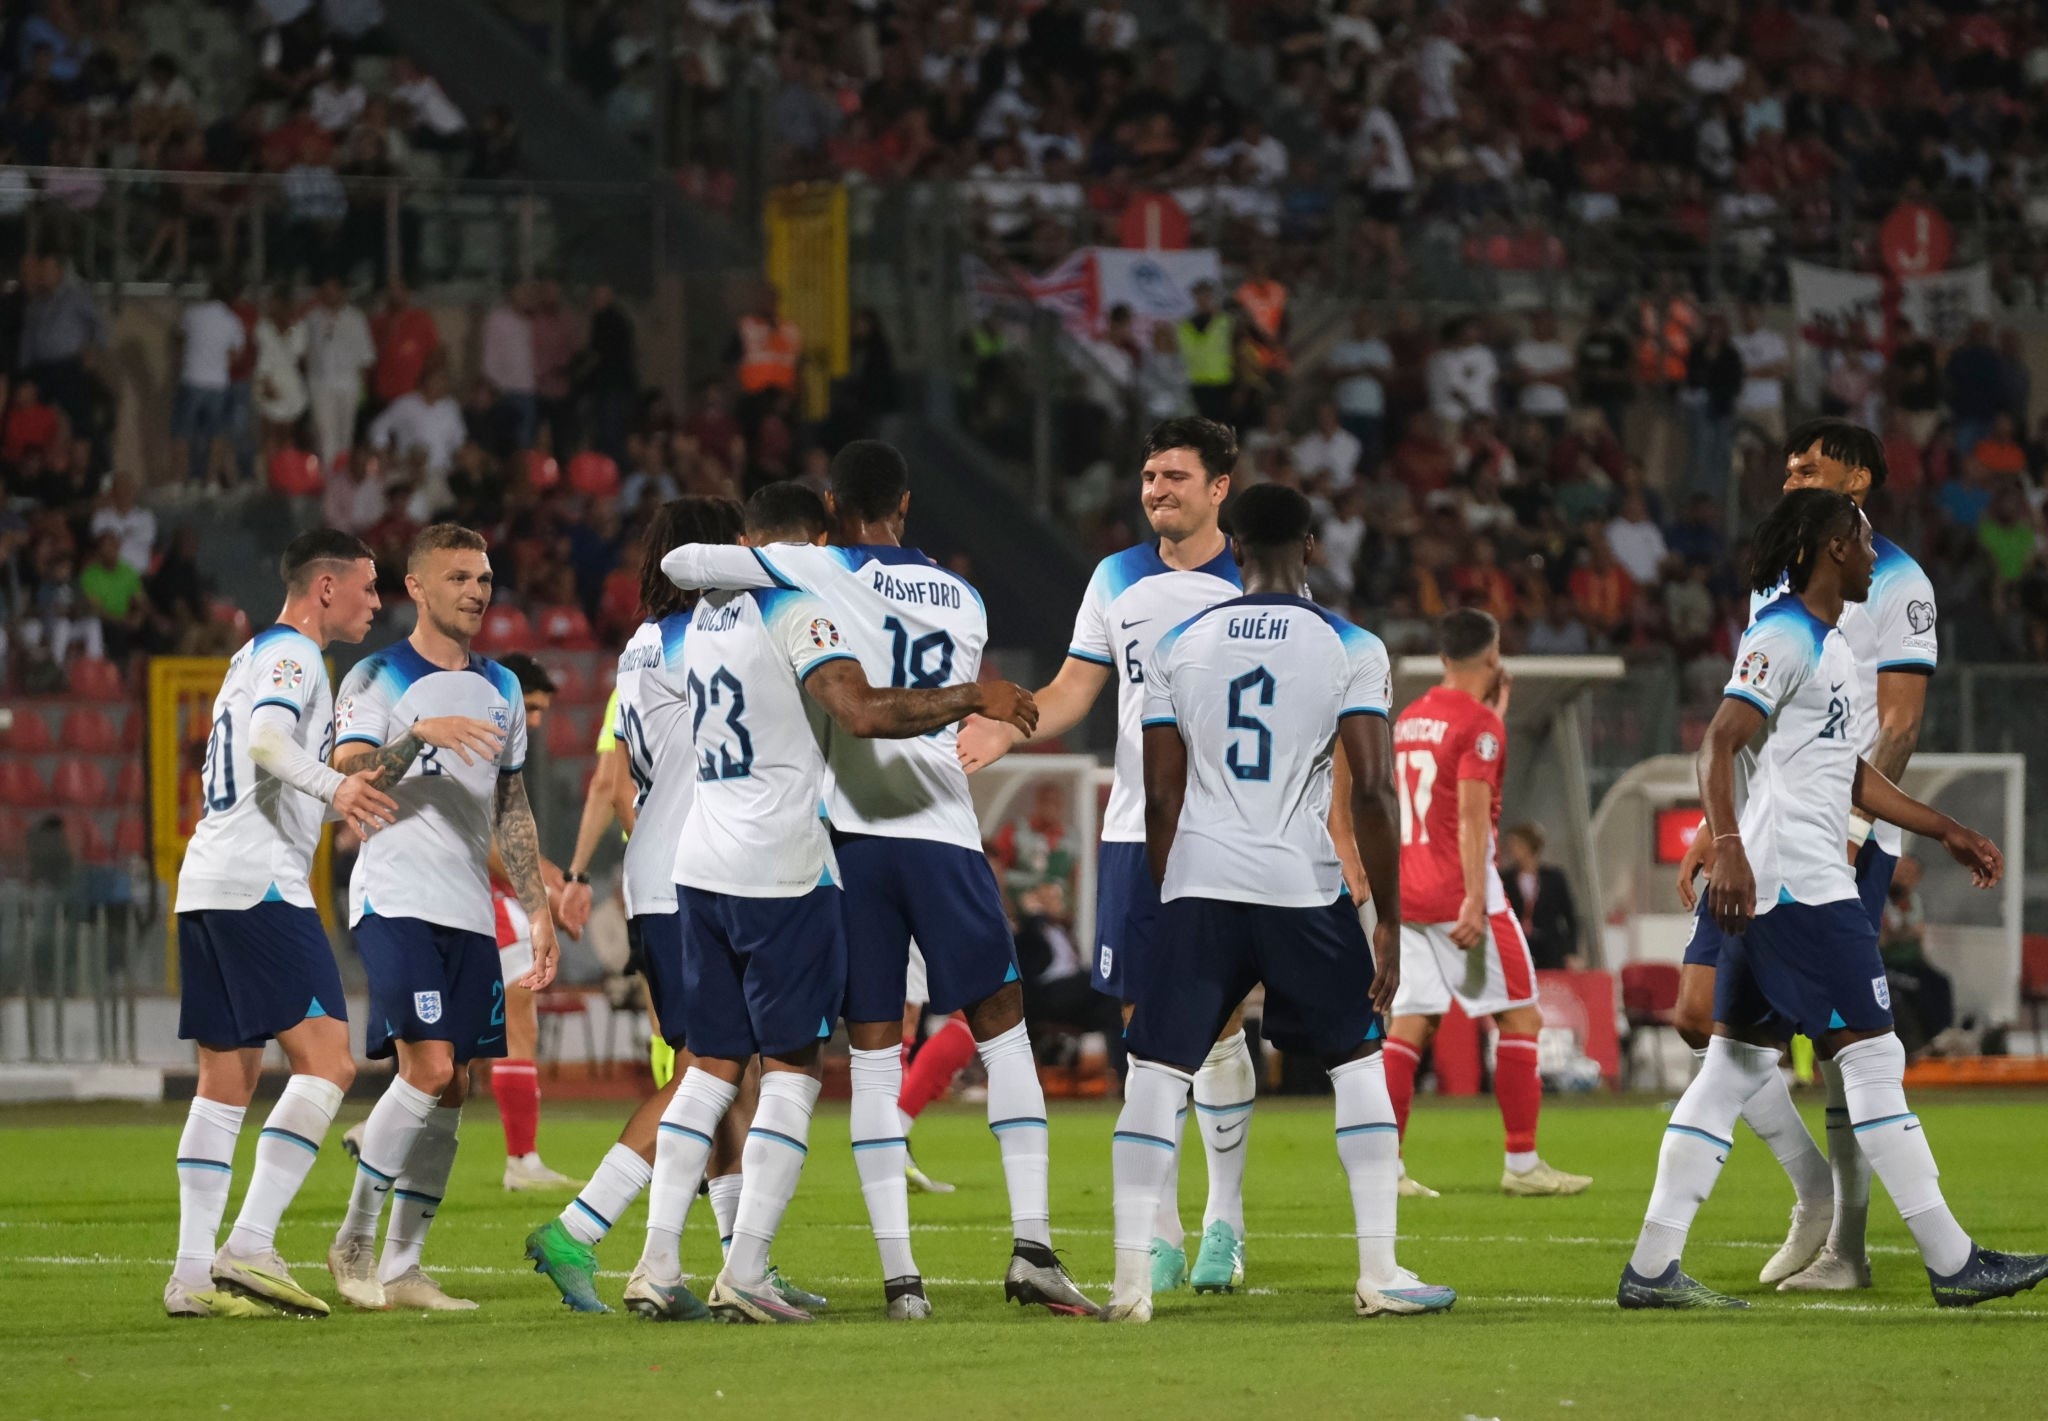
880, 1154
725, 1205
770, 1166
1369, 1147
1849, 1169
206, 1168
1142, 1152
620, 1177
285, 1152
1166, 1223
417, 1196
1016, 1116
1771, 1113
395, 1123
1696, 1145
682, 1150
1224, 1088
1889, 1134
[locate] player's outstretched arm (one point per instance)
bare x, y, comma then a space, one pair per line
892, 713
1061, 706
717, 566
1731, 897
1166, 785
354, 798
1878, 798
1376, 838
518, 845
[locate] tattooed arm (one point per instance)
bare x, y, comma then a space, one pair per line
460, 733
881, 713
518, 844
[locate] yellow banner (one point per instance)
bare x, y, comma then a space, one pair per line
181, 695
807, 262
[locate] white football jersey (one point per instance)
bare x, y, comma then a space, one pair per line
1133, 600
1891, 630
753, 828
1256, 686
433, 863
255, 839
914, 624
1801, 674
652, 726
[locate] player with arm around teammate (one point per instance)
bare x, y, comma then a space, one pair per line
1134, 598
1800, 952
1245, 707
254, 961
445, 727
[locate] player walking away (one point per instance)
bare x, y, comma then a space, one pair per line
1461, 941
764, 945
254, 962
1891, 635
1245, 705
1135, 597
442, 724
908, 845
1799, 951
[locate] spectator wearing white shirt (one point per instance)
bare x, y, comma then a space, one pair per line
210, 335
425, 425
1329, 449
433, 120
338, 352
1766, 361
338, 100
508, 364
1112, 28
1718, 71
1543, 368
129, 521
1359, 364
163, 100
1463, 376
1636, 541
1268, 154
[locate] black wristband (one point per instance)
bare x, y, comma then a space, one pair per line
575, 878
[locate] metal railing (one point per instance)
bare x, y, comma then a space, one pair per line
57, 956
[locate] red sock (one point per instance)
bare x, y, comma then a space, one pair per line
516, 1084
935, 1065
1402, 1061
1518, 1089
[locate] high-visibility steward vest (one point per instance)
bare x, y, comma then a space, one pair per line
768, 354
1207, 353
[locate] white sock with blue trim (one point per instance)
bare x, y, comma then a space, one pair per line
620, 1178
770, 1166
880, 1153
285, 1152
1849, 1170
1771, 1113
1890, 1137
1142, 1152
416, 1197
1166, 1224
725, 1205
1224, 1089
206, 1169
1016, 1116
1369, 1146
1696, 1145
388, 1136
682, 1152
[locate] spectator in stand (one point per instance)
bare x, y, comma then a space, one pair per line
1855, 379
1423, 460
1963, 500
1463, 375
353, 499
210, 335
557, 339
113, 591
315, 209
558, 619
1164, 391
2009, 533
1713, 383
1209, 350
508, 363
1637, 541
1766, 363
431, 119
1541, 898
280, 380
1557, 632
1329, 452
60, 619
339, 352
2016, 380
1606, 363
405, 338
1914, 381
177, 594
1976, 387
131, 524
1695, 539
338, 100
1999, 453
763, 354
1359, 364
1543, 369
61, 330
32, 427
1922, 990
609, 373
425, 425
1600, 587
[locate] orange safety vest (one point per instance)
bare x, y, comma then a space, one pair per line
1266, 303
768, 354
1665, 346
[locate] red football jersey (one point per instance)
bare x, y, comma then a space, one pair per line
1444, 737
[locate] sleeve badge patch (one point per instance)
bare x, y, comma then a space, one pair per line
824, 635
1487, 746
288, 675
1753, 669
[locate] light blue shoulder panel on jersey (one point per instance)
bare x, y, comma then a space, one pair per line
780, 601
1119, 572
1785, 615
389, 673
269, 637
1896, 566
673, 627
1354, 639
860, 554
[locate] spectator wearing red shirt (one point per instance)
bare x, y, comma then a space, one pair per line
1485, 584
1422, 460
1599, 588
31, 427
406, 337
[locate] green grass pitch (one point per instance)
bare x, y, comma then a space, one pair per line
88, 1220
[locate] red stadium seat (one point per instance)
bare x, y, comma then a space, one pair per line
1649, 995
87, 729
564, 627
594, 475
296, 473
134, 727
571, 734
30, 733
504, 629
618, 606
131, 837
89, 843
80, 782
571, 684
21, 785
13, 836
131, 786
97, 680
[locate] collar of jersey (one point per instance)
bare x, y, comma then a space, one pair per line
890, 553
416, 667
1222, 565
1270, 599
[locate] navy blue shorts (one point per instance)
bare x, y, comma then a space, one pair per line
1874, 868
655, 942
1315, 963
429, 982
1126, 918
760, 974
1809, 968
942, 895
245, 974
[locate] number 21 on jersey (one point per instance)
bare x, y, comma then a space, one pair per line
1415, 796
